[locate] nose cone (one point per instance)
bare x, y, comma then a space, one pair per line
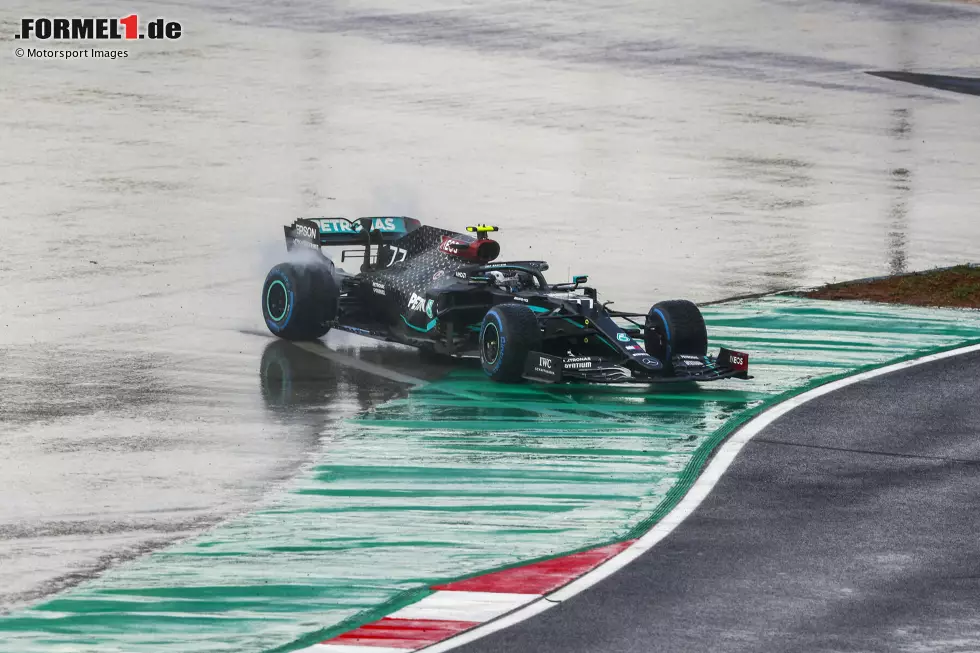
649, 362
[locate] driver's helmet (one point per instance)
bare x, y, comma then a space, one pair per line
510, 280
497, 278
524, 280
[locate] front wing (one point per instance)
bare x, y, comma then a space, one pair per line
594, 369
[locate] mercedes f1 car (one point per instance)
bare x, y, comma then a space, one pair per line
444, 292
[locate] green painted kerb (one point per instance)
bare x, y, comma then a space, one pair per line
464, 476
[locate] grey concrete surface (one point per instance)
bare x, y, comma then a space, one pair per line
849, 524
693, 150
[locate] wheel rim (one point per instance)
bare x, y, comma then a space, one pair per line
491, 343
276, 300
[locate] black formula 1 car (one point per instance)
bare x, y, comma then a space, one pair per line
444, 293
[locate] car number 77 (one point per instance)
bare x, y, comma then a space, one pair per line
397, 256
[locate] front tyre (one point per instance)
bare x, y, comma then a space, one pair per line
508, 333
675, 327
299, 300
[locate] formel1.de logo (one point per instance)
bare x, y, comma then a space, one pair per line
97, 29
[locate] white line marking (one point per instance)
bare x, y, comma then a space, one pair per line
702, 487
352, 648
371, 368
464, 606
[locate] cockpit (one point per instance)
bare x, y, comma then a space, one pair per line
513, 281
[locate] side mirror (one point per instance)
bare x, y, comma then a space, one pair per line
580, 278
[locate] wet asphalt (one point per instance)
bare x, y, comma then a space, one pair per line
108, 453
849, 524
668, 150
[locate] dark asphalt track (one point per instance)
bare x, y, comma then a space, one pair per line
848, 525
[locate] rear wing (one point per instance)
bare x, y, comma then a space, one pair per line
314, 233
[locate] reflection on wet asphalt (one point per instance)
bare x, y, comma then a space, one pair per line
106, 454
699, 150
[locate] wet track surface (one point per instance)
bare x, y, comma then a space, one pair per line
698, 151
109, 453
460, 476
844, 526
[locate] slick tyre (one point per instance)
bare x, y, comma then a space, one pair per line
299, 300
508, 333
675, 327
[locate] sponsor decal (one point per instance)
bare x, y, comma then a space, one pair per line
305, 231
622, 337
453, 246
462, 275
521, 299
416, 302
649, 361
304, 243
737, 360
580, 363
439, 274
632, 346
336, 226
341, 226
428, 308
544, 366
379, 288
638, 354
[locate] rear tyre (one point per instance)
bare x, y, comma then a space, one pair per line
675, 327
299, 300
508, 333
